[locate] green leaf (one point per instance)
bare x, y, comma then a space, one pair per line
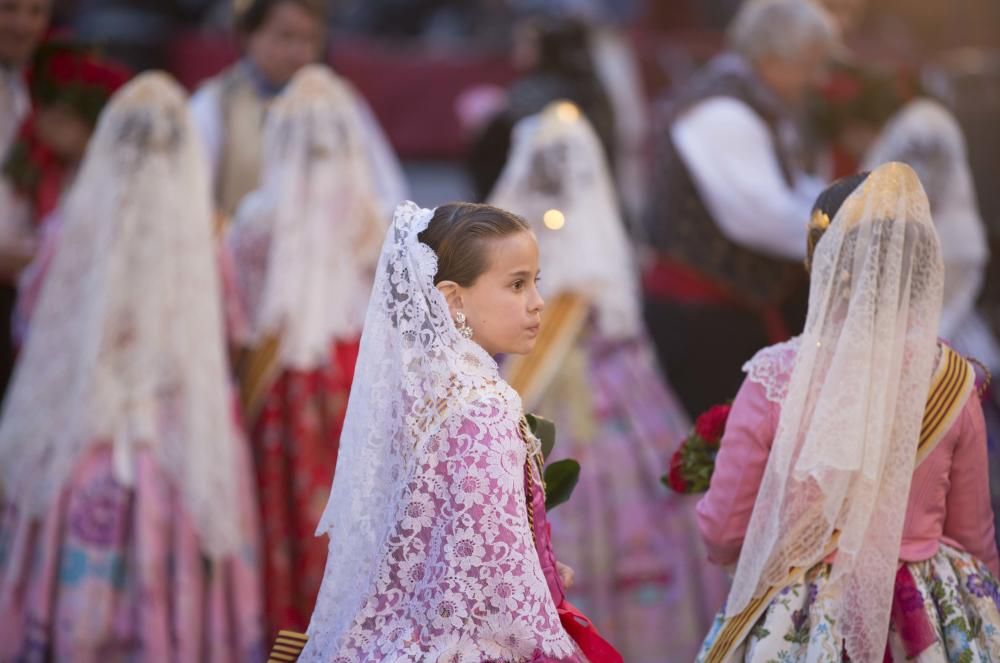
544, 430
560, 480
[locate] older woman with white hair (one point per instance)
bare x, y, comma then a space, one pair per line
724, 223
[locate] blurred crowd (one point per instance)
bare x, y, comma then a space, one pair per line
718, 124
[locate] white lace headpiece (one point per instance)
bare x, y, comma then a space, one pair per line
846, 441
307, 241
127, 343
557, 179
431, 553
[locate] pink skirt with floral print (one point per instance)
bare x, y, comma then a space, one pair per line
114, 573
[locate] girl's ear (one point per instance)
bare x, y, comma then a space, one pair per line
452, 294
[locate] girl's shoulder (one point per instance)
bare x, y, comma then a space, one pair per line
771, 368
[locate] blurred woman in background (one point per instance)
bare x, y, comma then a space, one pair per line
304, 247
128, 528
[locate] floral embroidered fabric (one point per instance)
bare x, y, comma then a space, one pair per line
431, 553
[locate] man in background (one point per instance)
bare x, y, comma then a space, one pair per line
729, 201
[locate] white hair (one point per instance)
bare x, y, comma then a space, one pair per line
781, 28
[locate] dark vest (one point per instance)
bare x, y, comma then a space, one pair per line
677, 222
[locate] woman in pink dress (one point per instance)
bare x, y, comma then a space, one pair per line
439, 547
641, 571
304, 247
850, 489
128, 530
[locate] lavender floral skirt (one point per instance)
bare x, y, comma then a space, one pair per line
945, 609
116, 574
641, 574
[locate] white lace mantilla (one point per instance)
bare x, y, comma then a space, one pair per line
431, 554
127, 344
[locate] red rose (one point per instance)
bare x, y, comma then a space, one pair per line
712, 424
675, 478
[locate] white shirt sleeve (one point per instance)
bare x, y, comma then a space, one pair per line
206, 115
730, 154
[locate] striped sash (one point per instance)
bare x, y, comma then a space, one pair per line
257, 369
287, 647
953, 382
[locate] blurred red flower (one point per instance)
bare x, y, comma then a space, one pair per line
710, 425
675, 477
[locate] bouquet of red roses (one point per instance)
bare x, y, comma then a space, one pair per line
692, 464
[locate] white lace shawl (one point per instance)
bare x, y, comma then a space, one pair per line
127, 343
306, 242
843, 453
557, 163
431, 555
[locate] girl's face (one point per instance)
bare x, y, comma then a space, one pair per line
503, 306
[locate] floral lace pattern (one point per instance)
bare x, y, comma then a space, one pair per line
772, 367
842, 457
431, 554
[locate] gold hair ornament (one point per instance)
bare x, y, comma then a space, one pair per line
820, 220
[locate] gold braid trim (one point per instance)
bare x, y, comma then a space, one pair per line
532, 463
529, 498
818, 224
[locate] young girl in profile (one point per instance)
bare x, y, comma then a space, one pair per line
439, 544
643, 575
